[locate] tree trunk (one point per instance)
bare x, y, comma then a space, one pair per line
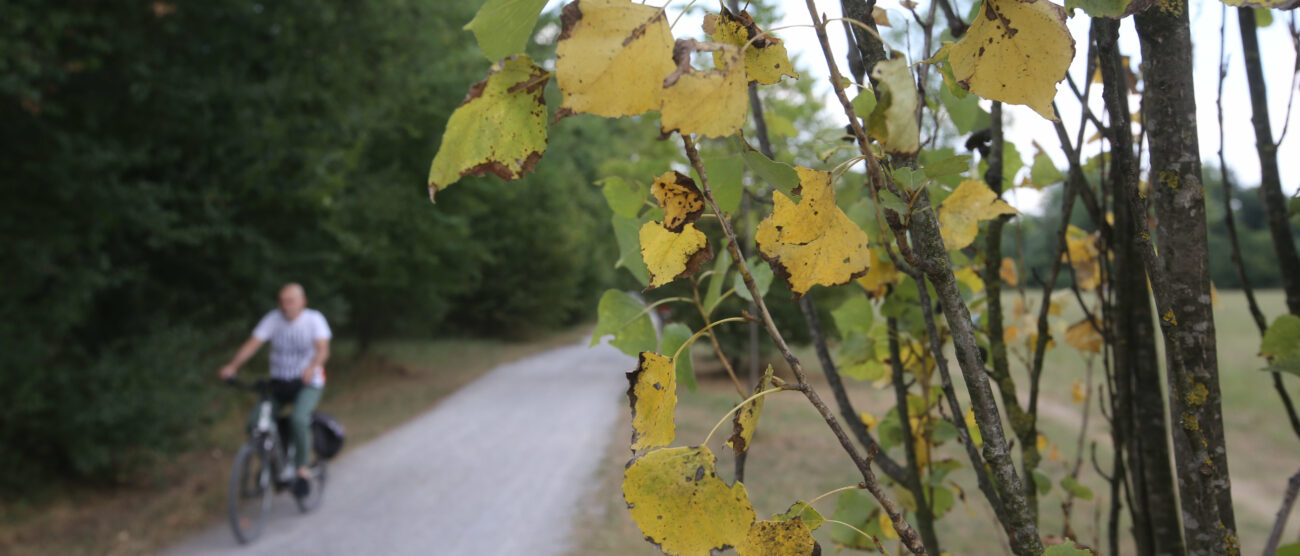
1141, 431
1180, 277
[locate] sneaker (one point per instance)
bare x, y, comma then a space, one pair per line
301, 487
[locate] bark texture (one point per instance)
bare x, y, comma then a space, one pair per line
1180, 277
1140, 429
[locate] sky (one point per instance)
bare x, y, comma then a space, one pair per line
1024, 126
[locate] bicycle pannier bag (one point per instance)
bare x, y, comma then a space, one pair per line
327, 435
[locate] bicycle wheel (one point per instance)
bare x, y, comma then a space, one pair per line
317, 491
250, 493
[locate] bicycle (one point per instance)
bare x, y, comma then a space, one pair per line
263, 467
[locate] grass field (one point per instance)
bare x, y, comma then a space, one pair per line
794, 456
369, 395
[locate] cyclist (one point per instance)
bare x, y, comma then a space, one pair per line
300, 345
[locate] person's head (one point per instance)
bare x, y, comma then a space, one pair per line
293, 299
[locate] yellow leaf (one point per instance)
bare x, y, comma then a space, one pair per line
679, 197
1042, 442
893, 121
1078, 392
790, 537
1009, 333
812, 242
500, 128
1082, 249
612, 57
670, 255
880, 273
971, 278
887, 527
1083, 336
961, 213
679, 502
746, 418
973, 427
869, 420
880, 16
1054, 453
711, 104
1214, 295
1008, 272
1170, 318
765, 59
653, 396
1015, 51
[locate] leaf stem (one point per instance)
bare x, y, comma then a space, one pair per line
701, 332
738, 406
841, 489
873, 538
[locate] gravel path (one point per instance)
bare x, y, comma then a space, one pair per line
497, 468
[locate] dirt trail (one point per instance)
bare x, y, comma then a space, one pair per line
497, 468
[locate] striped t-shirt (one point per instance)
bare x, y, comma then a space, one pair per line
293, 343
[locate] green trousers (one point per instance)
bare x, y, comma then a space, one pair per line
299, 421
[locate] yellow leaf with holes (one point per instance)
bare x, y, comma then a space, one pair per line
670, 255
961, 213
1078, 392
893, 120
812, 242
652, 393
678, 501
745, 420
612, 57
881, 272
1083, 336
500, 128
1008, 272
971, 278
790, 537
1015, 51
679, 197
711, 103
765, 58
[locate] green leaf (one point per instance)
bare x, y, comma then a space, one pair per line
675, 335
1068, 548
858, 358
940, 470
779, 175
1073, 487
864, 103
499, 129
716, 280
1042, 482
1263, 17
762, 274
855, 508
503, 27
964, 111
779, 125
621, 314
948, 166
1292, 549
625, 199
811, 517
863, 213
725, 180
941, 501
1044, 172
1282, 338
943, 431
627, 232
909, 178
854, 315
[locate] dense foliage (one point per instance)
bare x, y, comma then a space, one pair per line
167, 166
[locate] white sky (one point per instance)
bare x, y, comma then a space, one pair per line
1025, 126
